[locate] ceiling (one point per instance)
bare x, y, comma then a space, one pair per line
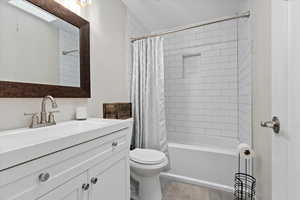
165, 14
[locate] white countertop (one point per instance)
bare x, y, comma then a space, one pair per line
21, 145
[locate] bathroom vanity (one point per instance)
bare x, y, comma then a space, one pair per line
75, 160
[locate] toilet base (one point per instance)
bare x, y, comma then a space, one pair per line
150, 188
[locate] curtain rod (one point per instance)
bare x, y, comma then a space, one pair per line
243, 15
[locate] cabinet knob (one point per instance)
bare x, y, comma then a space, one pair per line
85, 187
114, 144
94, 180
43, 177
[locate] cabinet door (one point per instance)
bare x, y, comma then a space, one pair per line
72, 190
111, 181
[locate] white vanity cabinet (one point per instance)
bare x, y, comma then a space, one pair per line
104, 181
109, 181
72, 190
92, 169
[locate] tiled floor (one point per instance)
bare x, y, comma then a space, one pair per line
181, 191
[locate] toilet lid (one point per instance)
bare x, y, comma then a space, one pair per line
147, 156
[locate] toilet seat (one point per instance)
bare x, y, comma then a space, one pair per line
147, 156
146, 166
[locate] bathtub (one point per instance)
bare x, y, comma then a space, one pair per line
204, 166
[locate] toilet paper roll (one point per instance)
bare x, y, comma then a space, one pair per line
245, 151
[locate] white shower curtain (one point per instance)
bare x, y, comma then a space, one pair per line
147, 94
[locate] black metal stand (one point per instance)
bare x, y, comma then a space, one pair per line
245, 183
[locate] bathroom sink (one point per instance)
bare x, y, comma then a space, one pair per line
25, 137
23, 143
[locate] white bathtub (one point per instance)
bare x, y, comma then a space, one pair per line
209, 167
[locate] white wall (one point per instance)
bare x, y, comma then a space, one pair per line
108, 69
108, 56
262, 139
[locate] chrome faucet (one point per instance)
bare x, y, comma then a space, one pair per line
36, 123
44, 112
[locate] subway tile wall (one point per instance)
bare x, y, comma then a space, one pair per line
208, 85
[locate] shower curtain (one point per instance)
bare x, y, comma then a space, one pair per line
147, 94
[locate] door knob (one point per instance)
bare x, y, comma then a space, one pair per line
274, 124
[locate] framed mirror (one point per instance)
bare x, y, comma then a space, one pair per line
45, 50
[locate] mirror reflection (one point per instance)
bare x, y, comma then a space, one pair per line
37, 47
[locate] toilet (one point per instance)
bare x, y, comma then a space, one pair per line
145, 166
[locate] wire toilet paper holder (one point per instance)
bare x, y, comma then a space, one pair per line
244, 182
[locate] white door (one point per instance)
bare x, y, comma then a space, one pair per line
72, 190
286, 98
109, 181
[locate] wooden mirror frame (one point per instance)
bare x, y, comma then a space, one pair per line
31, 90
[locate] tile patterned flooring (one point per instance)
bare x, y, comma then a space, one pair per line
181, 191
